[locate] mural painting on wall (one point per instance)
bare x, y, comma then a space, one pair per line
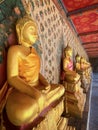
1, 1
10, 11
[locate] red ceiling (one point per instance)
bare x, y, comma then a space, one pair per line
91, 45
77, 4
86, 22
89, 38
84, 17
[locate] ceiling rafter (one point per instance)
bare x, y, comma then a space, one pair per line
90, 47
95, 49
85, 17
87, 33
86, 43
92, 53
96, 52
93, 56
81, 10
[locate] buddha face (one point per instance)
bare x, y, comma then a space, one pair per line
78, 58
82, 60
68, 53
30, 34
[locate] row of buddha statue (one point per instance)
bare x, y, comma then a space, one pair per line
84, 69
31, 94
75, 83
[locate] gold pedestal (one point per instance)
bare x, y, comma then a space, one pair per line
50, 121
63, 125
74, 99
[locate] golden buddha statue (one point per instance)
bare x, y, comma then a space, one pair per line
82, 68
81, 63
31, 92
84, 63
70, 75
86, 66
77, 64
74, 97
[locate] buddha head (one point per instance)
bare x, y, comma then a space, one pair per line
77, 57
68, 51
26, 31
82, 60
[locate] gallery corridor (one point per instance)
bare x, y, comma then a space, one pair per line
93, 122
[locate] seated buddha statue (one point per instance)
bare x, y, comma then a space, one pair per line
31, 92
70, 75
88, 66
77, 64
85, 66
81, 63
74, 98
82, 68
84, 63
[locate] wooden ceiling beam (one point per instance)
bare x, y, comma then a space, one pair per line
94, 50
93, 53
91, 47
90, 56
77, 11
92, 42
87, 33
93, 56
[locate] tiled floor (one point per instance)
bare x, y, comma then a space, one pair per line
93, 122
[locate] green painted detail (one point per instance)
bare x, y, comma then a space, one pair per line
10, 3
5, 9
1, 1
10, 11
20, 5
1, 16
1, 54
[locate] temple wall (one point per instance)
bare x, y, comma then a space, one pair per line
54, 32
